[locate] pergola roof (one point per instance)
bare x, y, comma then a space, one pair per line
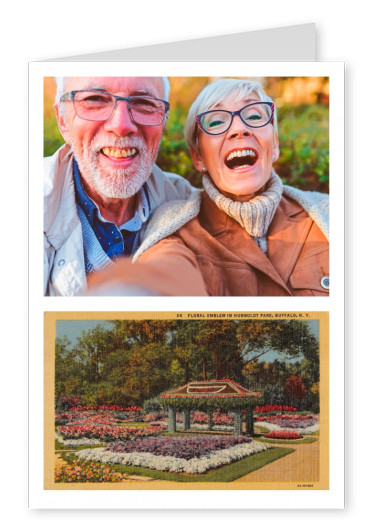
211, 389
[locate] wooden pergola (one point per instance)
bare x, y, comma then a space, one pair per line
209, 395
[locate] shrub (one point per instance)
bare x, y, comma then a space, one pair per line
65, 403
152, 405
273, 394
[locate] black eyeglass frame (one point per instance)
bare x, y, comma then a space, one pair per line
236, 113
71, 96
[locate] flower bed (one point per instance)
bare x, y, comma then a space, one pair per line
105, 433
117, 413
195, 465
273, 407
283, 434
82, 472
134, 409
184, 447
302, 424
92, 416
78, 442
160, 416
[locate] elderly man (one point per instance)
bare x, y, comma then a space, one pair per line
102, 186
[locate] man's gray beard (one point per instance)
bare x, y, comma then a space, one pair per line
115, 183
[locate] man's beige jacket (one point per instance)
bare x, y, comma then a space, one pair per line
64, 264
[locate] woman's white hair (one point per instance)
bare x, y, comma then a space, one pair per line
213, 94
60, 84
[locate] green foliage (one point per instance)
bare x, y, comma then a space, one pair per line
273, 394
174, 155
211, 403
52, 137
304, 146
311, 402
136, 360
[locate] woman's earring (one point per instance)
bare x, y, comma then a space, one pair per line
203, 168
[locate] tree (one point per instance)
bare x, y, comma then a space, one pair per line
207, 348
92, 349
67, 369
133, 360
294, 390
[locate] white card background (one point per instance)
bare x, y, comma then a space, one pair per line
34, 32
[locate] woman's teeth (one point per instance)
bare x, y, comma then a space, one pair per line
241, 158
241, 153
119, 153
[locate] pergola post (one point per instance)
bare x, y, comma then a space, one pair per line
238, 422
186, 419
249, 427
172, 419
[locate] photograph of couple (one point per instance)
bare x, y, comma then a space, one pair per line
186, 186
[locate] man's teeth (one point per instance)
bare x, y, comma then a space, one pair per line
241, 153
119, 153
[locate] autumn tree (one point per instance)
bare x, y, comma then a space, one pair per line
294, 390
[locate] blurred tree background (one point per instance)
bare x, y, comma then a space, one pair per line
303, 127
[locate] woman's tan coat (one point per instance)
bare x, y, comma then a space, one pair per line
213, 255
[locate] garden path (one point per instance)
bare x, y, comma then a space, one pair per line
302, 465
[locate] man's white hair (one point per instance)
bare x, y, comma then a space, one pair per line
60, 85
213, 94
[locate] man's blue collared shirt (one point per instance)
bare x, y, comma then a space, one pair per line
115, 241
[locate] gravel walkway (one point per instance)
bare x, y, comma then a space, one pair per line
302, 465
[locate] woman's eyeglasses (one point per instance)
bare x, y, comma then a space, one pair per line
254, 115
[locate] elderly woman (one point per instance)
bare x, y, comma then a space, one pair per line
247, 234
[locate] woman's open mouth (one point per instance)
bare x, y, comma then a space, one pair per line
241, 158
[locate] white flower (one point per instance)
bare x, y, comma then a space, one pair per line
175, 464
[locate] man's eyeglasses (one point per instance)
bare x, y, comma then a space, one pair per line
98, 106
253, 115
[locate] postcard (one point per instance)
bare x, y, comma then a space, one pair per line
156, 401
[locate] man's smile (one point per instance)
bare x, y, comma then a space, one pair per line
117, 153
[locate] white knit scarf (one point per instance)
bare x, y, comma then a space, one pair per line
255, 215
